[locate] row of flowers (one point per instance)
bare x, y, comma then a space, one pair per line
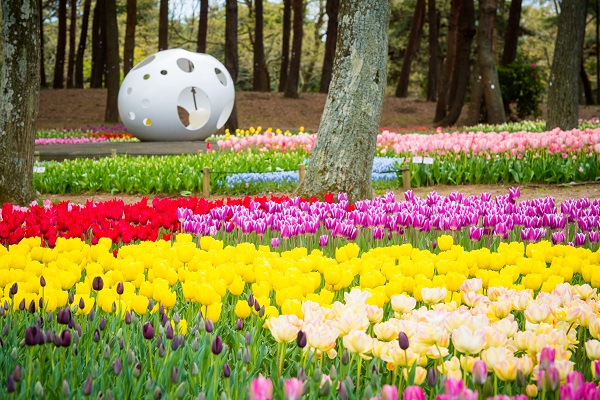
523, 319
91, 138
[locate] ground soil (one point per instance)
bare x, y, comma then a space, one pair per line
66, 108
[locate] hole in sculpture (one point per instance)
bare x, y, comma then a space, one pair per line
146, 103
146, 77
131, 115
193, 108
163, 72
129, 90
185, 65
221, 76
145, 62
147, 121
225, 114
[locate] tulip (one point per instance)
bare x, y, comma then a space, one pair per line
65, 338
261, 388
413, 393
274, 243
323, 240
42, 281
10, 384
239, 324
17, 372
292, 389
169, 332
547, 356
226, 370
479, 372
174, 374
97, 283
301, 339
65, 389
13, 289
64, 316
209, 327
117, 366
87, 386
217, 345
403, 341
148, 331
432, 377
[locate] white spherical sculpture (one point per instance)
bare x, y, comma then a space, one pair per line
176, 95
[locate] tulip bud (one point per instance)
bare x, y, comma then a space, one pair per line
317, 375
96, 336
333, 373
176, 342
345, 357
150, 303
71, 297
169, 332
120, 288
521, 382
209, 326
117, 366
106, 353
547, 357
97, 283
65, 338
40, 304
11, 386
301, 339
553, 377
137, 370
194, 371
174, 374
201, 396
2, 312
479, 372
261, 312
217, 345
17, 372
195, 344
71, 323
531, 391
127, 317
325, 389
403, 340
31, 336
78, 329
247, 357
121, 343
130, 357
42, 281
368, 392
13, 289
343, 392
248, 338
226, 370
102, 324
38, 390
239, 325
114, 307
66, 390
148, 331
87, 386
92, 315
432, 377
22, 305
157, 393
251, 300
176, 318
301, 374
161, 350
181, 389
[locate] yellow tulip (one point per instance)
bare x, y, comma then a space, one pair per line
242, 309
445, 242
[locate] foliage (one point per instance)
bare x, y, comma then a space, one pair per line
521, 85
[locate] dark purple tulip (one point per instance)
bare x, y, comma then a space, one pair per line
345, 357
81, 303
256, 305
121, 343
22, 305
209, 326
403, 341
301, 339
239, 325
13, 289
343, 392
248, 338
432, 377
87, 386
169, 331
148, 330
164, 320
71, 297
175, 342
174, 374
98, 283
96, 336
251, 300
42, 281
54, 338
17, 372
11, 386
217, 345
31, 335
78, 329
65, 338
31, 307
127, 317
117, 366
120, 288
226, 370
102, 324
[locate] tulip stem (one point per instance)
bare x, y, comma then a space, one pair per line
29, 368
150, 357
358, 372
214, 363
281, 356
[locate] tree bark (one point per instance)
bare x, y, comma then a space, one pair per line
332, 7
202, 27
342, 159
98, 45
433, 19
490, 84
511, 36
474, 110
72, 44
260, 81
587, 86
414, 38
113, 70
81, 48
461, 69
291, 87
231, 53
163, 25
563, 91
43, 81
20, 88
59, 61
313, 55
285, 44
441, 108
129, 44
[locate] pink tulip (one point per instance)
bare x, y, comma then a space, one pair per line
292, 389
414, 393
389, 392
261, 388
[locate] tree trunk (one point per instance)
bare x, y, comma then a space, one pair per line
231, 53
563, 91
511, 36
163, 25
72, 44
285, 44
291, 87
441, 108
98, 44
20, 88
414, 38
342, 159
129, 45
59, 61
433, 19
490, 85
43, 81
113, 70
81, 48
587, 86
260, 81
332, 7
474, 111
202, 27
313, 56
461, 69
597, 52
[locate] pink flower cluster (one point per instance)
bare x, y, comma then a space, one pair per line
69, 140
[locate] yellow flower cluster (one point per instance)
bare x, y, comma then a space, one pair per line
259, 130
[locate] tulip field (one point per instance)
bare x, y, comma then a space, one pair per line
282, 297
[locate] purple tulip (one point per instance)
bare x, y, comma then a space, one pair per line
117, 366
208, 326
475, 234
65, 338
558, 237
479, 372
547, 357
580, 239
226, 370
11, 386
275, 242
593, 236
217, 345
97, 283
148, 331
323, 240
301, 339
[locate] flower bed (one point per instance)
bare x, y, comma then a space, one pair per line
239, 314
92, 134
